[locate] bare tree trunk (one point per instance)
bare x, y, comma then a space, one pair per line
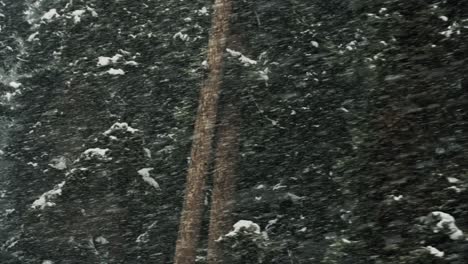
190, 221
227, 152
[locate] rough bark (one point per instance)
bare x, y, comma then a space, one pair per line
190, 221
227, 151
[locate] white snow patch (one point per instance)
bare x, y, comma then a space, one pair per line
15, 85
92, 10
113, 71
434, 251
116, 58
124, 52
453, 180
145, 175
98, 153
147, 153
101, 240
444, 18
32, 36
263, 75
144, 238
132, 63
244, 226
271, 223
396, 197
279, 187
234, 53
243, 59
447, 223
104, 61
351, 45
8, 96
77, 15
45, 199
393, 77
294, 198
151, 182
145, 172
259, 187
456, 189
346, 241
59, 163
246, 61
34, 164
9, 211
452, 29
344, 109
204, 64
181, 36
49, 15
203, 11
120, 126
78, 169
11, 242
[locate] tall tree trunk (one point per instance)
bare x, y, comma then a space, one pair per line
227, 151
190, 221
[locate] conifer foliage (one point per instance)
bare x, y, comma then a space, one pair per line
342, 124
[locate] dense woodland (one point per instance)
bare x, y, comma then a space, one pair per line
344, 124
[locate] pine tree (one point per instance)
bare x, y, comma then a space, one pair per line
226, 158
203, 136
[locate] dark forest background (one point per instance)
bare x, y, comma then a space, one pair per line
353, 140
